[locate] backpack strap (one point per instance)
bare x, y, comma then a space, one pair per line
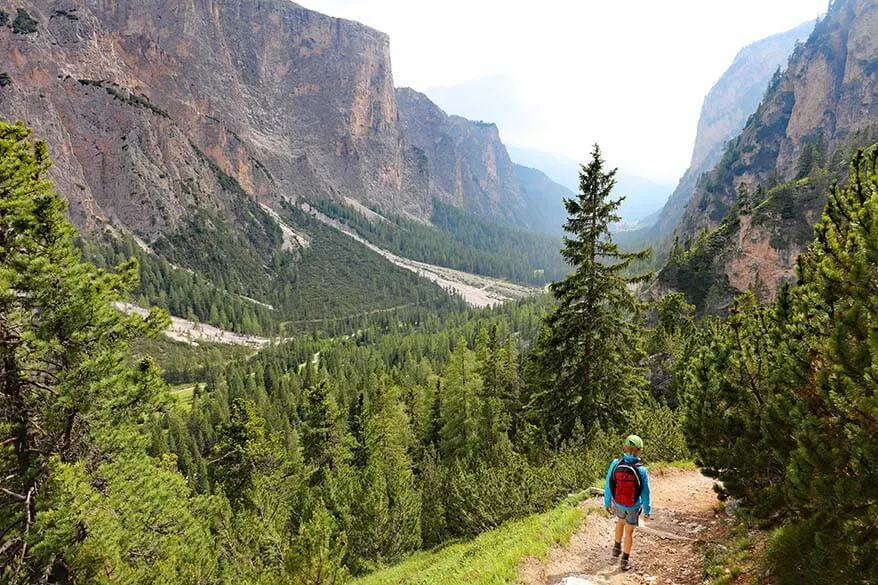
612, 485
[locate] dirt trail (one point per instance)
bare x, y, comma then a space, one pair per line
666, 549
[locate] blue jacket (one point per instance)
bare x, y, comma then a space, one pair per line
643, 500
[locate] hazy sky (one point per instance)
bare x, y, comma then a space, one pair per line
629, 74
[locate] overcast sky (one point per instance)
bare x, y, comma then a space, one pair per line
628, 74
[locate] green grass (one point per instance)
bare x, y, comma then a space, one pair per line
183, 394
723, 563
493, 558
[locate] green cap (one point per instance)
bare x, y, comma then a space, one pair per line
634, 441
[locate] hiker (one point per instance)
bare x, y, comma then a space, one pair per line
627, 494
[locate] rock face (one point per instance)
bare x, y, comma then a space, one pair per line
725, 110
465, 162
830, 89
739, 91
759, 203
156, 109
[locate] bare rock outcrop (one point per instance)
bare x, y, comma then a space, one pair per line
466, 163
760, 201
829, 91
148, 107
733, 98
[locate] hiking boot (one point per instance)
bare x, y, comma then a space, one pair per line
625, 563
617, 549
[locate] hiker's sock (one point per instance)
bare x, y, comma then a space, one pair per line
617, 549
623, 564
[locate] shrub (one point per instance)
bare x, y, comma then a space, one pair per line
24, 24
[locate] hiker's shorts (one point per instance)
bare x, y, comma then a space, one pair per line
629, 515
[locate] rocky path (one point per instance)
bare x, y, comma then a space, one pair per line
666, 549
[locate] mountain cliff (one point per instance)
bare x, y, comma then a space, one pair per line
288, 102
752, 214
183, 123
139, 100
465, 162
733, 98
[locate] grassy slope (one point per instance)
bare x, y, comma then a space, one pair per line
492, 558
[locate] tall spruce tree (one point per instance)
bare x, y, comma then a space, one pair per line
587, 356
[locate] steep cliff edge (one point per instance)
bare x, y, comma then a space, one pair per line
465, 162
733, 98
288, 102
752, 214
827, 92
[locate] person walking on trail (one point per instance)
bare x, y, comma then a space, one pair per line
626, 494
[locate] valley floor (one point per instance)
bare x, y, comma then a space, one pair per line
667, 549
193, 333
477, 291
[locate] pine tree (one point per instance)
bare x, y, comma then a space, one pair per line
587, 357
357, 430
77, 484
806, 162
325, 444
316, 556
244, 450
386, 521
727, 393
831, 389
434, 430
781, 400
461, 403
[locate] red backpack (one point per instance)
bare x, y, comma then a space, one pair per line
626, 483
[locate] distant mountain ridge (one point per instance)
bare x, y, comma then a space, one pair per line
544, 199
643, 197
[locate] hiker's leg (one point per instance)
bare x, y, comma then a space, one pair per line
628, 539
620, 526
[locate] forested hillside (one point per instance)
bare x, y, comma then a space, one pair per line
462, 241
332, 279
321, 456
